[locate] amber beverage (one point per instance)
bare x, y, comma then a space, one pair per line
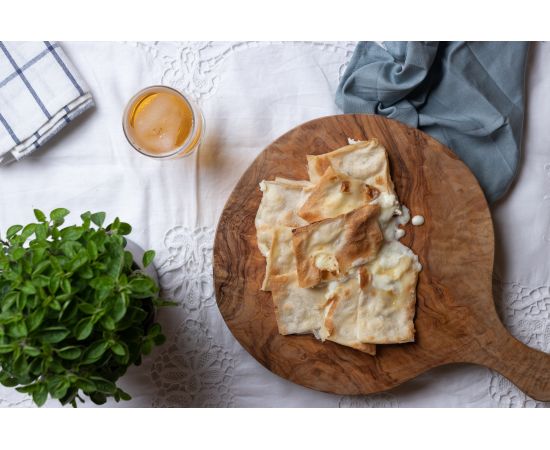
160, 122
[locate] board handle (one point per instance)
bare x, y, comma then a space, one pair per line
527, 368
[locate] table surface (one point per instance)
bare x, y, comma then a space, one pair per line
251, 93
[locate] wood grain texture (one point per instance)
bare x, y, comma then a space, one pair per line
456, 320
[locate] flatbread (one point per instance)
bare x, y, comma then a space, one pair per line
297, 310
329, 316
333, 264
280, 201
336, 194
280, 259
327, 249
364, 160
387, 303
303, 183
341, 316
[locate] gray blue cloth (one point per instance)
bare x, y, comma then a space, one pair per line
40, 93
467, 95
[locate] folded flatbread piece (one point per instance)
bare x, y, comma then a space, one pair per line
327, 249
341, 315
364, 160
297, 310
280, 259
280, 201
387, 303
336, 194
331, 316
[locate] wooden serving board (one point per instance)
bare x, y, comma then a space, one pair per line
455, 321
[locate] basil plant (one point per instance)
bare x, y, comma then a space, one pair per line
75, 309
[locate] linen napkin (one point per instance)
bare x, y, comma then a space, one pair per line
40, 93
468, 95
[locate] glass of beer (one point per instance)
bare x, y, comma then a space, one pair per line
162, 123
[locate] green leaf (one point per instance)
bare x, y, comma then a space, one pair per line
68, 311
7, 380
17, 330
98, 218
83, 329
104, 385
108, 323
91, 248
53, 335
55, 264
28, 231
58, 215
31, 351
71, 233
94, 352
70, 352
55, 305
22, 301
143, 287
18, 253
58, 386
40, 394
20, 366
124, 395
86, 273
55, 281
128, 260
35, 319
9, 300
8, 317
6, 348
35, 367
29, 389
148, 257
147, 346
124, 229
40, 281
119, 349
155, 330
119, 307
40, 216
87, 308
66, 286
13, 230
40, 267
41, 231
86, 385
97, 398
28, 288
103, 283
79, 261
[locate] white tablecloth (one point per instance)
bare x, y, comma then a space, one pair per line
250, 94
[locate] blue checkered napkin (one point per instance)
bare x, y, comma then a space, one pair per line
40, 93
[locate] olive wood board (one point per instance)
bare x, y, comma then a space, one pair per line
456, 320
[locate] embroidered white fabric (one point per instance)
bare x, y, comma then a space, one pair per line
250, 94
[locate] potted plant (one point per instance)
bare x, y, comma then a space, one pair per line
76, 310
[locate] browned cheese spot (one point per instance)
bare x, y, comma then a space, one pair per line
372, 192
